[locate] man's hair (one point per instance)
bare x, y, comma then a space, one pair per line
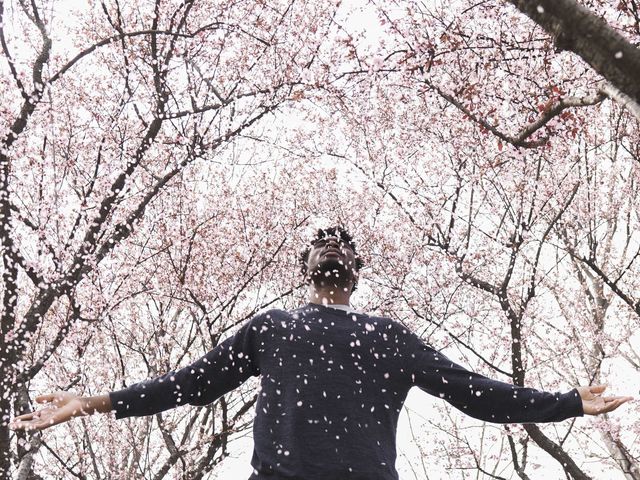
343, 235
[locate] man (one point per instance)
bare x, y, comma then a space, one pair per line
333, 382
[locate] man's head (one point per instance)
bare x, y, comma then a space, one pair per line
331, 260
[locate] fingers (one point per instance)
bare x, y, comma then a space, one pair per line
51, 414
47, 397
25, 417
623, 398
609, 404
597, 389
43, 412
37, 424
25, 422
52, 397
38, 420
18, 424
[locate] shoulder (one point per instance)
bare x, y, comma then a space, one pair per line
394, 326
267, 318
405, 338
396, 332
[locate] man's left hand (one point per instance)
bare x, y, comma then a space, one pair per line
593, 403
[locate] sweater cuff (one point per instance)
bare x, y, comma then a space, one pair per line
120, 403
574, 403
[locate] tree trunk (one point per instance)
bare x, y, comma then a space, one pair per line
5, 447
579, 30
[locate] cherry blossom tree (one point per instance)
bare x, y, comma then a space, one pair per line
486, 147
109, 111
163, 162
480, 261
610, 52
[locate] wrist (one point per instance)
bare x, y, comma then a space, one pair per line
91, 405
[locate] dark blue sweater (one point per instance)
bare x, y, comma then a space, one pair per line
332, 386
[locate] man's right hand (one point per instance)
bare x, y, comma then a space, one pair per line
59, 407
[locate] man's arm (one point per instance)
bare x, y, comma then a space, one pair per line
494, 401
221, 370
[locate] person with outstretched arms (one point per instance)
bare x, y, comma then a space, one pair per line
333, 382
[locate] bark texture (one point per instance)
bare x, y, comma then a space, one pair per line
579, 30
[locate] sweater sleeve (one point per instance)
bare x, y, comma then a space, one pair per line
221, 370
482, 397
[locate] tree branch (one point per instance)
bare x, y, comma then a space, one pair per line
520, 140
622, 99
577, 29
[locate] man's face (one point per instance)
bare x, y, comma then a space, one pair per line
332, 263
